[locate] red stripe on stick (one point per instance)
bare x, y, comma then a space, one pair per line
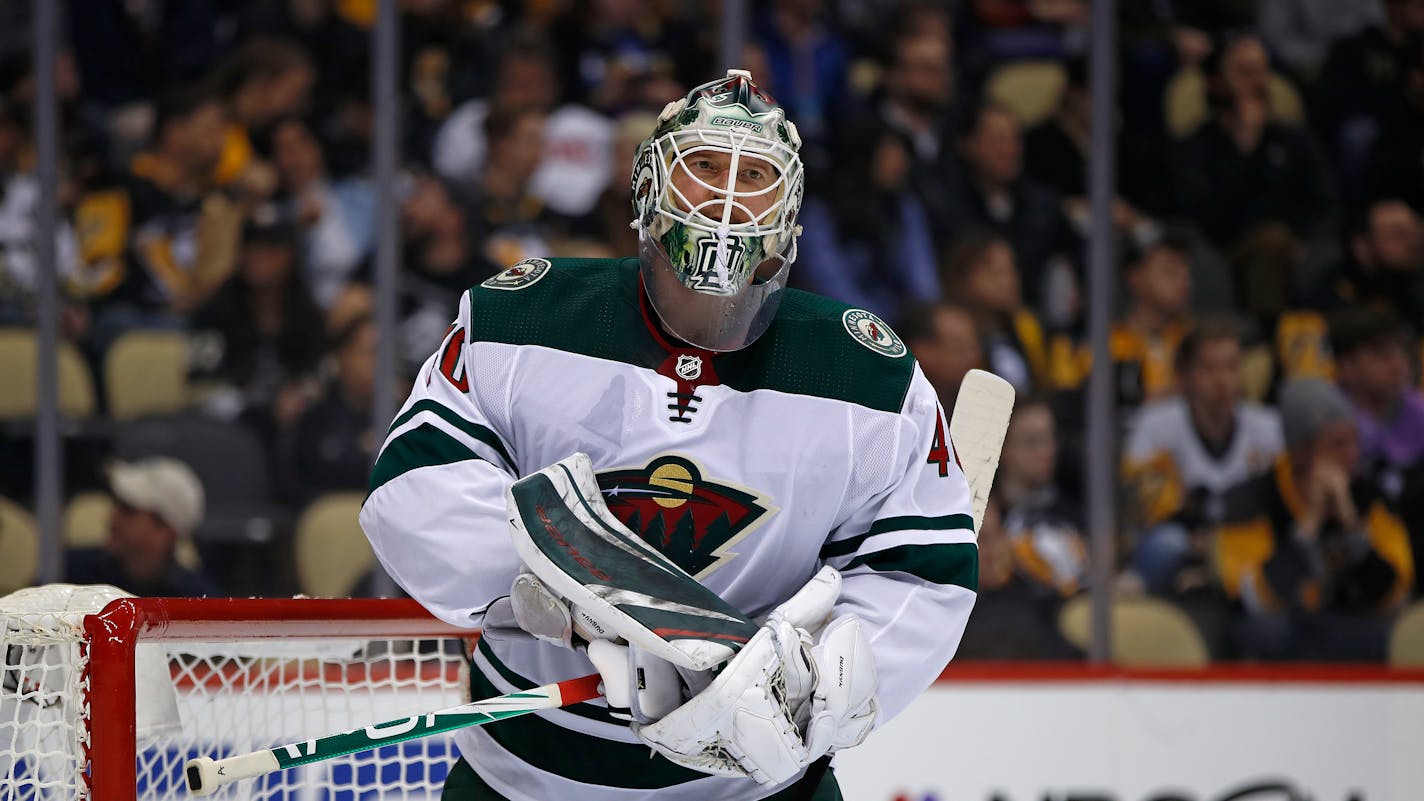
574, 691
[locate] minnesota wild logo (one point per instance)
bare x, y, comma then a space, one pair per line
695, 522
525, 273
872, 332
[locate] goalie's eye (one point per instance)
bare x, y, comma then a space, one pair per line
704, 167
758, 177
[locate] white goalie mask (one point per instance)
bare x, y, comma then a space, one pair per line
716, 191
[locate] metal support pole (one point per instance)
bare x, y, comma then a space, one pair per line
48, 454
734, 35
385, 154
1101, 437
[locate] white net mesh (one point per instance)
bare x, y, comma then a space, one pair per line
232, 696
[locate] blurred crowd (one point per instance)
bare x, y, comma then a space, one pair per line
216, 183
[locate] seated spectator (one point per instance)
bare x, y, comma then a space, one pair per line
442, 259
1256, 186
259, 340
513, 222
1385, 268
946, 344
1009, 620
1144, 340
916, 103
1183, 453
265, 81
159, 241
866, 238
575, 159
1372, 368
1316, 560
996, 194
1044, 526
1241, 167
981, 273
332, 445
1056, 154
337, 216
158, 502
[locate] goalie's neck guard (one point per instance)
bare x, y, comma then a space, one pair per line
716, 191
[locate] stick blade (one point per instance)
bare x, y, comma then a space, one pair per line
976, 431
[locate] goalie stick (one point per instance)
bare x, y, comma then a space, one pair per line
976, 432
205, 775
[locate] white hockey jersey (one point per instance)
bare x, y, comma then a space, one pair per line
1163, 443
821, 443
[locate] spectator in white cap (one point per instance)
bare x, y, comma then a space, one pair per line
158, 502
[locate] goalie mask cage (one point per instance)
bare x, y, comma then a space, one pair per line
110, 706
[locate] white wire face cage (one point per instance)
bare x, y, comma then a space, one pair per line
712, 225
726, 209
716, 240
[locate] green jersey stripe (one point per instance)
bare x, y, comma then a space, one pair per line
580, 757
947, 563
475, 430
422, 446
850, 545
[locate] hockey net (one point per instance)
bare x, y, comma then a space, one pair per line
108, 698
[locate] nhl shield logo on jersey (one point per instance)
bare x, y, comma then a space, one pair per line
689, 368
692, 520
523, 274
872, 332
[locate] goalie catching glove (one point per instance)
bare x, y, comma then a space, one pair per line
784, 701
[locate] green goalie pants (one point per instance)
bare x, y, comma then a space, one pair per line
819, 784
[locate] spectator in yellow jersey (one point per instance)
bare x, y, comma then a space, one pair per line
1144, 339
982, 273
160, 240
1315, 560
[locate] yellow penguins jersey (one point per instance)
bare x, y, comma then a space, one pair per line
1258, 558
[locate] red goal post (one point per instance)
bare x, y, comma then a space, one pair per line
260, 664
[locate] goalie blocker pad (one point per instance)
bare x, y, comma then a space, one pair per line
565, 534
